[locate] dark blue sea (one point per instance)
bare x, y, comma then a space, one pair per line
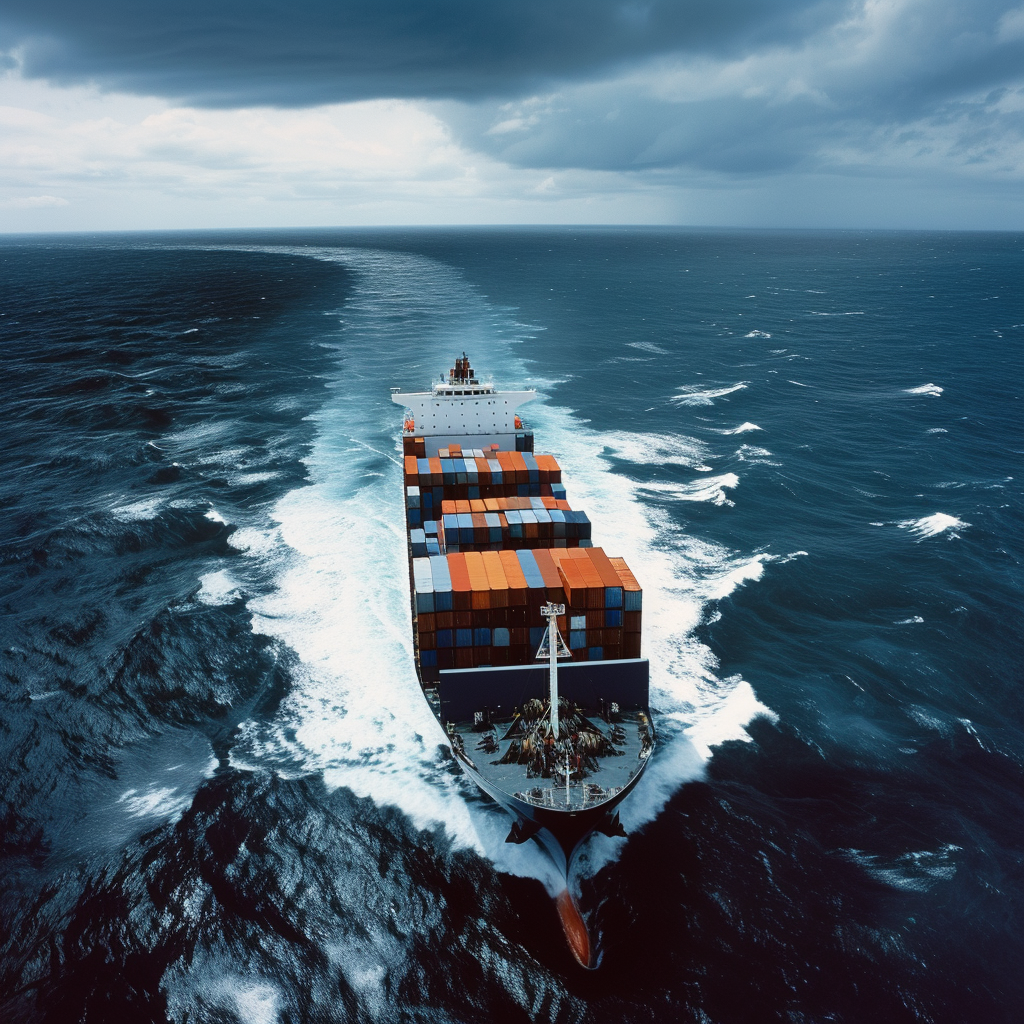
224, 799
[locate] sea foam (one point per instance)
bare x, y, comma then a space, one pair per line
694, 395
933, 525
355, 712
743, 428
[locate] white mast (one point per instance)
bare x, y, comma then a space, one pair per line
555, 649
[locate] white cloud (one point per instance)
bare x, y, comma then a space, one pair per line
35, 202
135, 162
1011, 26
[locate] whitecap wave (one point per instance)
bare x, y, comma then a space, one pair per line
756, 456
710, 488
933, 525
924, 389
743, 428
757, 334
155, 802
218, 588
914, 620
648, 346
656, 449
138, 511
691, 394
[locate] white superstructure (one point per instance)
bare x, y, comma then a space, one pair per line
463, 410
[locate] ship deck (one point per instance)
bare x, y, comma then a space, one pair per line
598, 758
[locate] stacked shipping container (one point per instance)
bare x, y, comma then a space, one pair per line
483, 607
492, 538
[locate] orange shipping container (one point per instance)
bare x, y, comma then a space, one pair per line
496, 579
522, 473
609, 577
574, 584
478, 580
462, 599
595, 588
517, 595
623, 572
546, 565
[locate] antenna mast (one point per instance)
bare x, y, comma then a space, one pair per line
553, 647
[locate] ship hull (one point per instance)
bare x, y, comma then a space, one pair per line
560, 833
503, 573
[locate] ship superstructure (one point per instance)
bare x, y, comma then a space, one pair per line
526, 636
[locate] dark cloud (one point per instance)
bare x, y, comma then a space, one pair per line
591, 84
934, 68
232, 53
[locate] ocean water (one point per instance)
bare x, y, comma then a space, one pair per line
223, 798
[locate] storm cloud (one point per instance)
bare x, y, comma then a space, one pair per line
650, 95
317, 51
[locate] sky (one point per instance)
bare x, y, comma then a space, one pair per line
121, 114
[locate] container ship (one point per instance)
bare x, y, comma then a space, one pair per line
526, 636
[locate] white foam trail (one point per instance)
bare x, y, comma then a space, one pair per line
933, 525
257, 1002
336, 554
756, 456
647, 346
138, 511
218, 588
743, 428
155, 802
924, 389
937, 430
197, 985
656, 449
706, 489
912, 621
694, 395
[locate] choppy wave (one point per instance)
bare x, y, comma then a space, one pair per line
656, 449
925, 389
933, 525
648, 346
712, 489
743, 428
693, 394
